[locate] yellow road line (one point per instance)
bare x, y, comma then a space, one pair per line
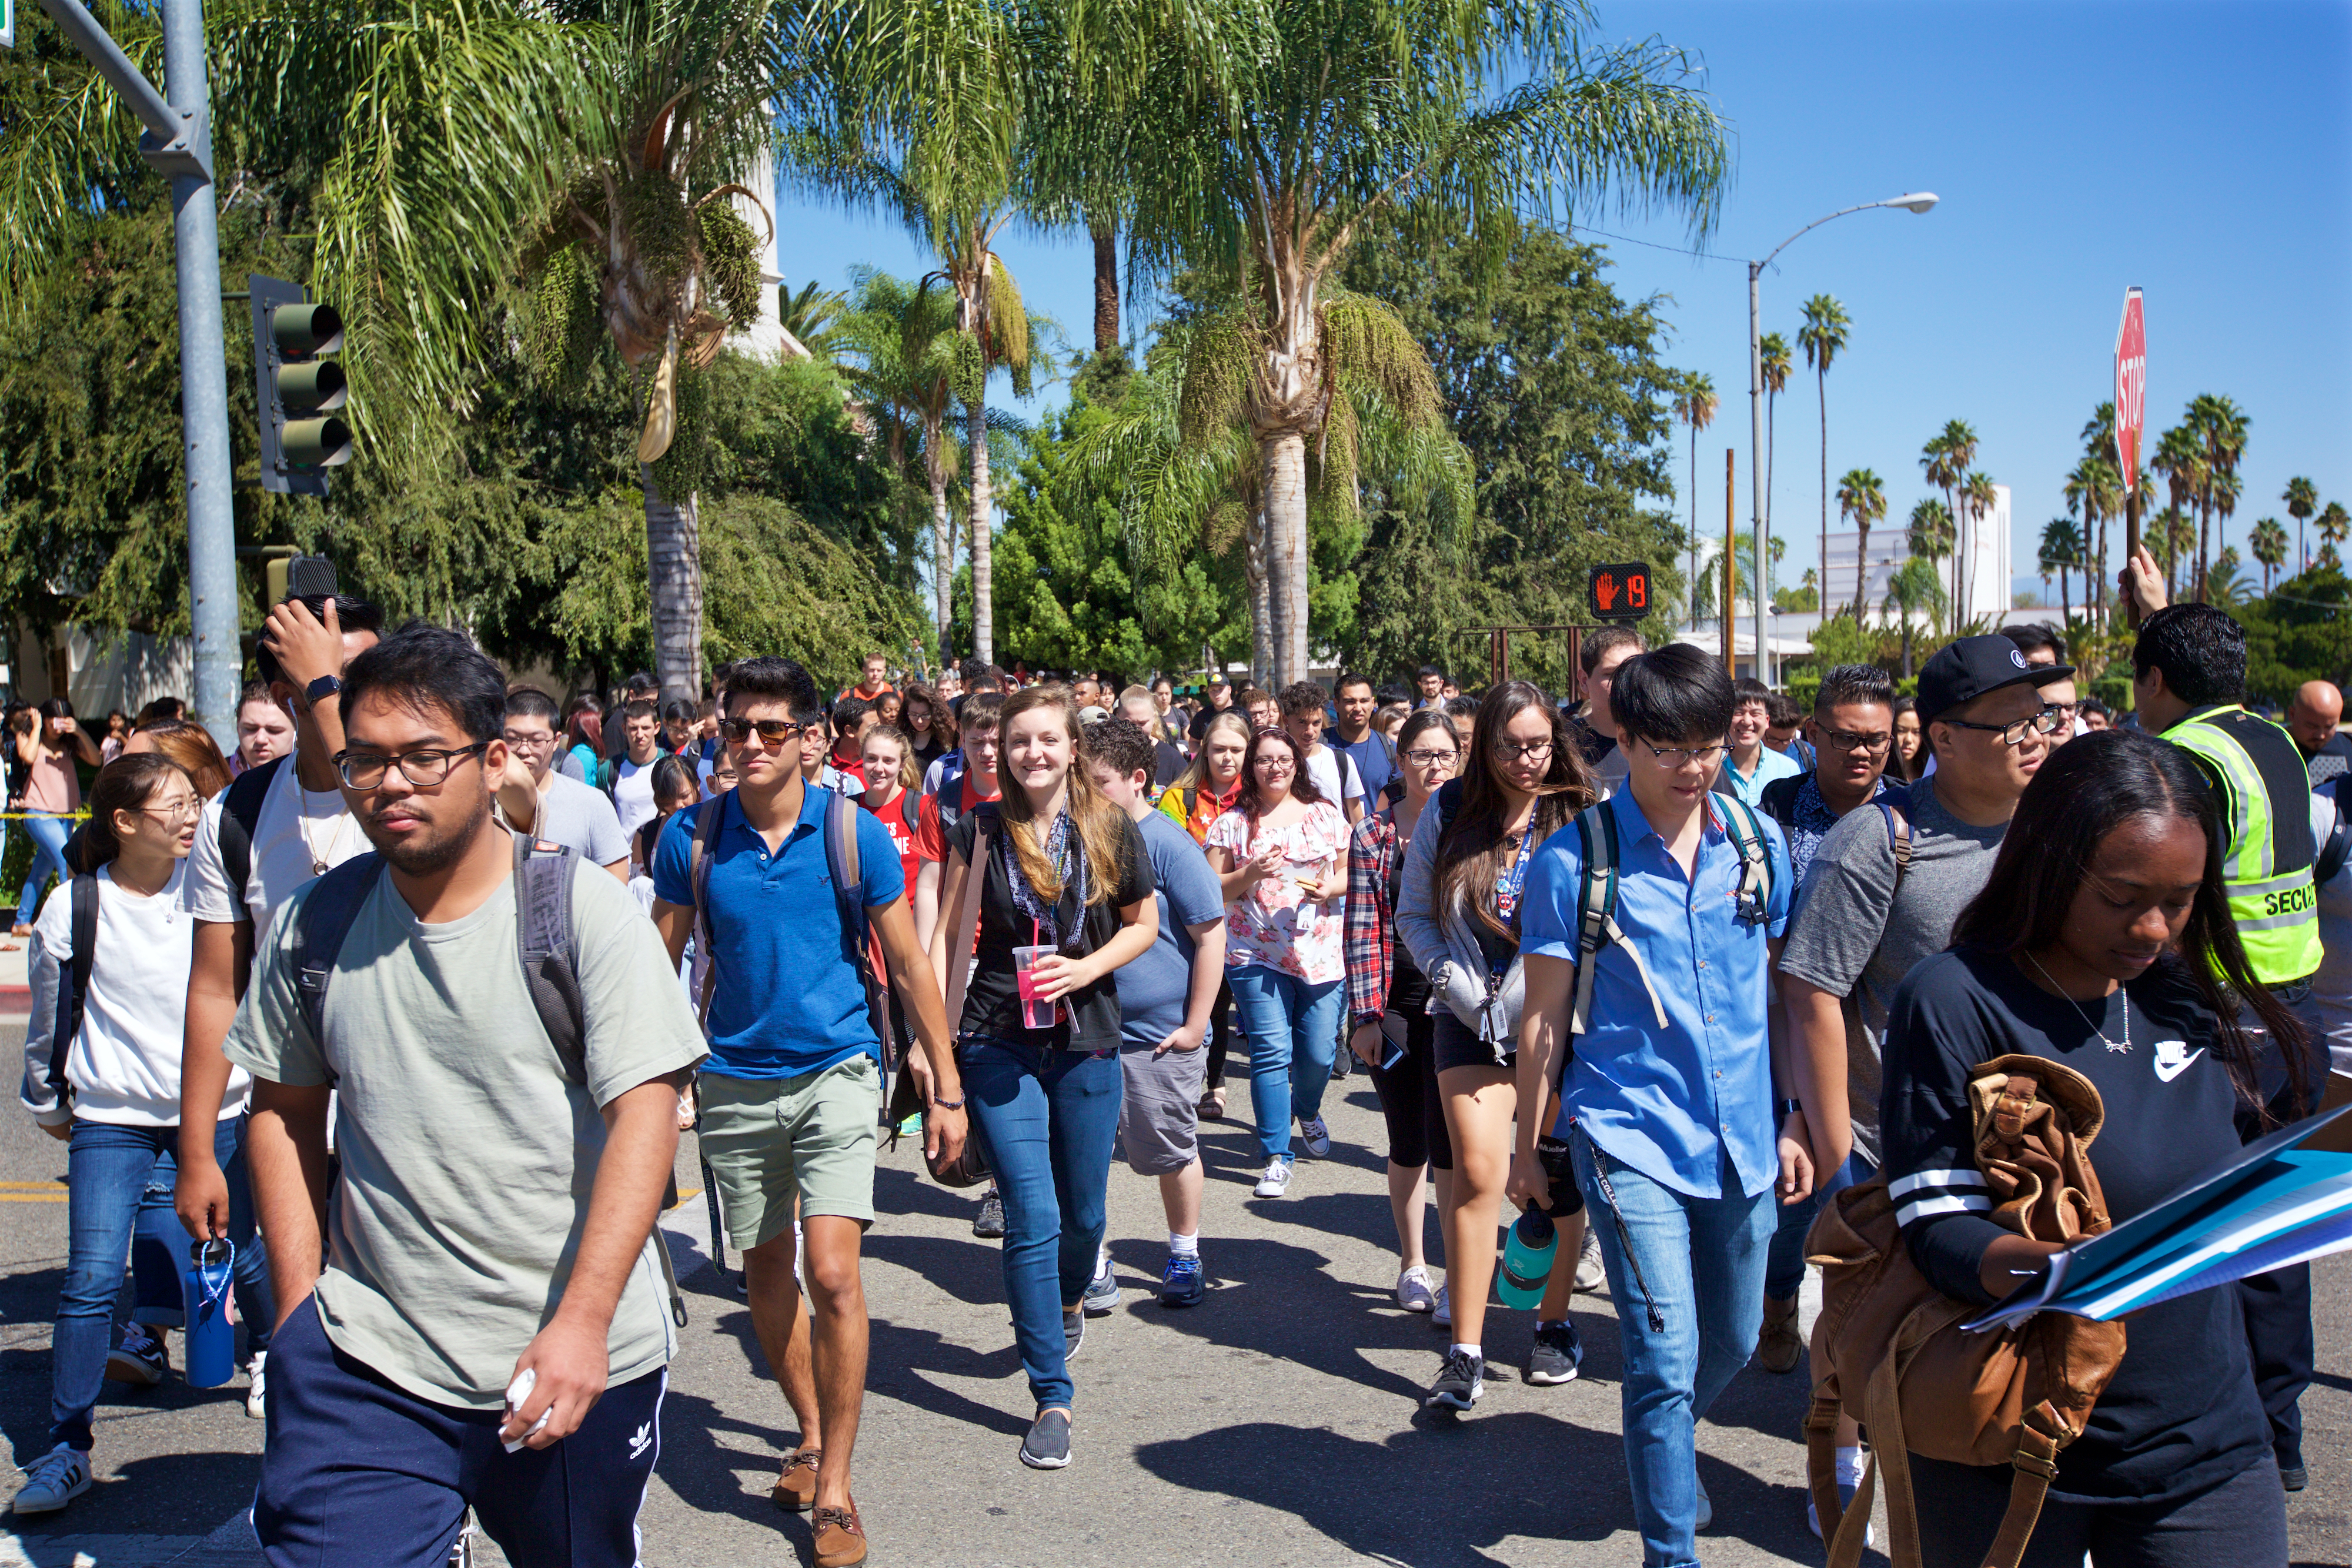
32, 1197
27, 1186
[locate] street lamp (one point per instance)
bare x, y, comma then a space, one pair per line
1913, 201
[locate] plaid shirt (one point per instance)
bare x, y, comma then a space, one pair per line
1370, 935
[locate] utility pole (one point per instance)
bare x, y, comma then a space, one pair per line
1731, 579
179, 143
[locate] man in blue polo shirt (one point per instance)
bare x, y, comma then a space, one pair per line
791, 1092
1667, 1104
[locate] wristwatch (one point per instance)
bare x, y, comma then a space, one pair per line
1792, 1108
322, 689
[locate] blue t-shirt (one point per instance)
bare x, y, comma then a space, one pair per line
787, 1001
1153, 990
1375, 762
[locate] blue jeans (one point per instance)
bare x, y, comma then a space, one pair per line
1784, 1271
112, 1173
1048, 1119
1293, 1031
1701, 1268
49, 834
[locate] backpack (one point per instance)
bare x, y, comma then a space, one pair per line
545, 943
841, 861
1596, 897
2335, 849
73, 982
950, 794
241, 814
1888, 1348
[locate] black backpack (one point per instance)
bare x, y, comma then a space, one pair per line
73, 981
240, 811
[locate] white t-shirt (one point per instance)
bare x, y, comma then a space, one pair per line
295, 830
124, 1065
633, 796
1334, 773
578, 816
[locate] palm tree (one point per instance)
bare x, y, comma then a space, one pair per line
2061, 552
1773, 356
2100, 493
1944, 461
2335, 527
1695, 406
1915, 587
904, 341
2220, 426
1930, 532
2228, 591
1978, 499
2302, 498
1862, 500
2180, 459
1337, 113
2268, 541
1822, 337
811, 319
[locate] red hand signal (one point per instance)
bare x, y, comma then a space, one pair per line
1605, 591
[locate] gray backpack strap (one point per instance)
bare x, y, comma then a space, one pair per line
324, 920
545, 943
1747, 834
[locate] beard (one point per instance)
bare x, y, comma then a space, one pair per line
435, 849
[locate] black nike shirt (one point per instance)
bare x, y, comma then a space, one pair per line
2182, 1414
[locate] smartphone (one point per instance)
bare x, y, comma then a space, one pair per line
1392, 1032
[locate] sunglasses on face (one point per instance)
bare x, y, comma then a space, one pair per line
770, 731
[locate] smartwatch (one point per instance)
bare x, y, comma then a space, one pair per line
1791, 1108
322, 689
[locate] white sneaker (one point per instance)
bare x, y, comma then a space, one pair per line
1315, 1136
1706, 1518
255, 1387
1276, 1180
1592, 1275
1412, 1291
53, 1480
1442, 1314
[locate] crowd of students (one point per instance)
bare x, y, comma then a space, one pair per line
1666, 959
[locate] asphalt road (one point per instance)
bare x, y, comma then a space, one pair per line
1277, 1423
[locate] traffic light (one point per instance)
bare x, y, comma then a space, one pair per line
297, 389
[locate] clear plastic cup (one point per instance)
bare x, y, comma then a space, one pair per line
1035, 1011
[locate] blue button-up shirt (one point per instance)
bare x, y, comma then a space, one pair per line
1672, 1102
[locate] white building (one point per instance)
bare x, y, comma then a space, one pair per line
1984, 562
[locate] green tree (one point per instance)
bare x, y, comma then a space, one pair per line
1978, 499
2335, 526
903, 341
1824, 337
1449, 120
1553, 382
1914, 589
2061, 552
1945, 462
1862, 501
2179, 460
2302, 498
2220, 426
1696, 408
1774, 361
2268, 542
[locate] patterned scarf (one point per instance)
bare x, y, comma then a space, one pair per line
1062, 849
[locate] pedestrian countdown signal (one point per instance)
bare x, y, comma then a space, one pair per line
1620, 592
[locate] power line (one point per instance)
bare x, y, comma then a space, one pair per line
1653, 245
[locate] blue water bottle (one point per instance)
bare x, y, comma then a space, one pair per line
207, 1296
1527, 1260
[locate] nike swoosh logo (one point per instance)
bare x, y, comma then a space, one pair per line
2167, 1073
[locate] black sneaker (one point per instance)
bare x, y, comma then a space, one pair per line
1047, 1446
989, 1223
1459, 1382
1074, 1330
1557, 1354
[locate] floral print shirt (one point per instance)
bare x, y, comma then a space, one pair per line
1271, 923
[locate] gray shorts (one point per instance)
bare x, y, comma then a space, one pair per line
1159, 1119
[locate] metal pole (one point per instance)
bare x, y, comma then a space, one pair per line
203, 387
1730, 575
1757, 502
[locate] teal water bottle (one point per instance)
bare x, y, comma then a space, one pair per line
207, 1298
1527, 1260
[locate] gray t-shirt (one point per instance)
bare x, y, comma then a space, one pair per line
1855, 935
1153, 990
468, 1156
580, 818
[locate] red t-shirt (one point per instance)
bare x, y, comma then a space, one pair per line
930, 844
893, 817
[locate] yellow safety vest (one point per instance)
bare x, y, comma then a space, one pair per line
2267, 865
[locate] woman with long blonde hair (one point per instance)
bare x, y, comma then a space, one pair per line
1065, 898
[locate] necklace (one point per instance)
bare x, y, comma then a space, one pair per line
2088, 1015
302, 826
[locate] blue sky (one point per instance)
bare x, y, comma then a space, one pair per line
2200, 150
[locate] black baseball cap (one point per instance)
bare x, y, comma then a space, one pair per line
1965, 670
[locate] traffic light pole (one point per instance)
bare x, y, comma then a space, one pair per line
179, 143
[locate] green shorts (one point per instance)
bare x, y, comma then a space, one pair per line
770, 1140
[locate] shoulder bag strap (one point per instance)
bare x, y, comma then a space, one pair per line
967, 924
1898, 840
843, 862
73, 982
543, 875
697, 882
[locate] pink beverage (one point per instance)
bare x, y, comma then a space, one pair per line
1035, 1011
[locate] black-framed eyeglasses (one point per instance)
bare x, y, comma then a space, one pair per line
365, 770
1427, 756
2063, 710
2013, 733
1674, 757
529, 742
1513, 751
770, 731
1846, 741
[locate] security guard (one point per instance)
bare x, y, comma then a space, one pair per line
2189, 683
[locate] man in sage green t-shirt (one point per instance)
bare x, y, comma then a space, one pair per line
492, 1224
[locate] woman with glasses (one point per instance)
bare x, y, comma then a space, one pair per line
103, 1074
1281, 854
1388, 1002
1206, 791
1522, 780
